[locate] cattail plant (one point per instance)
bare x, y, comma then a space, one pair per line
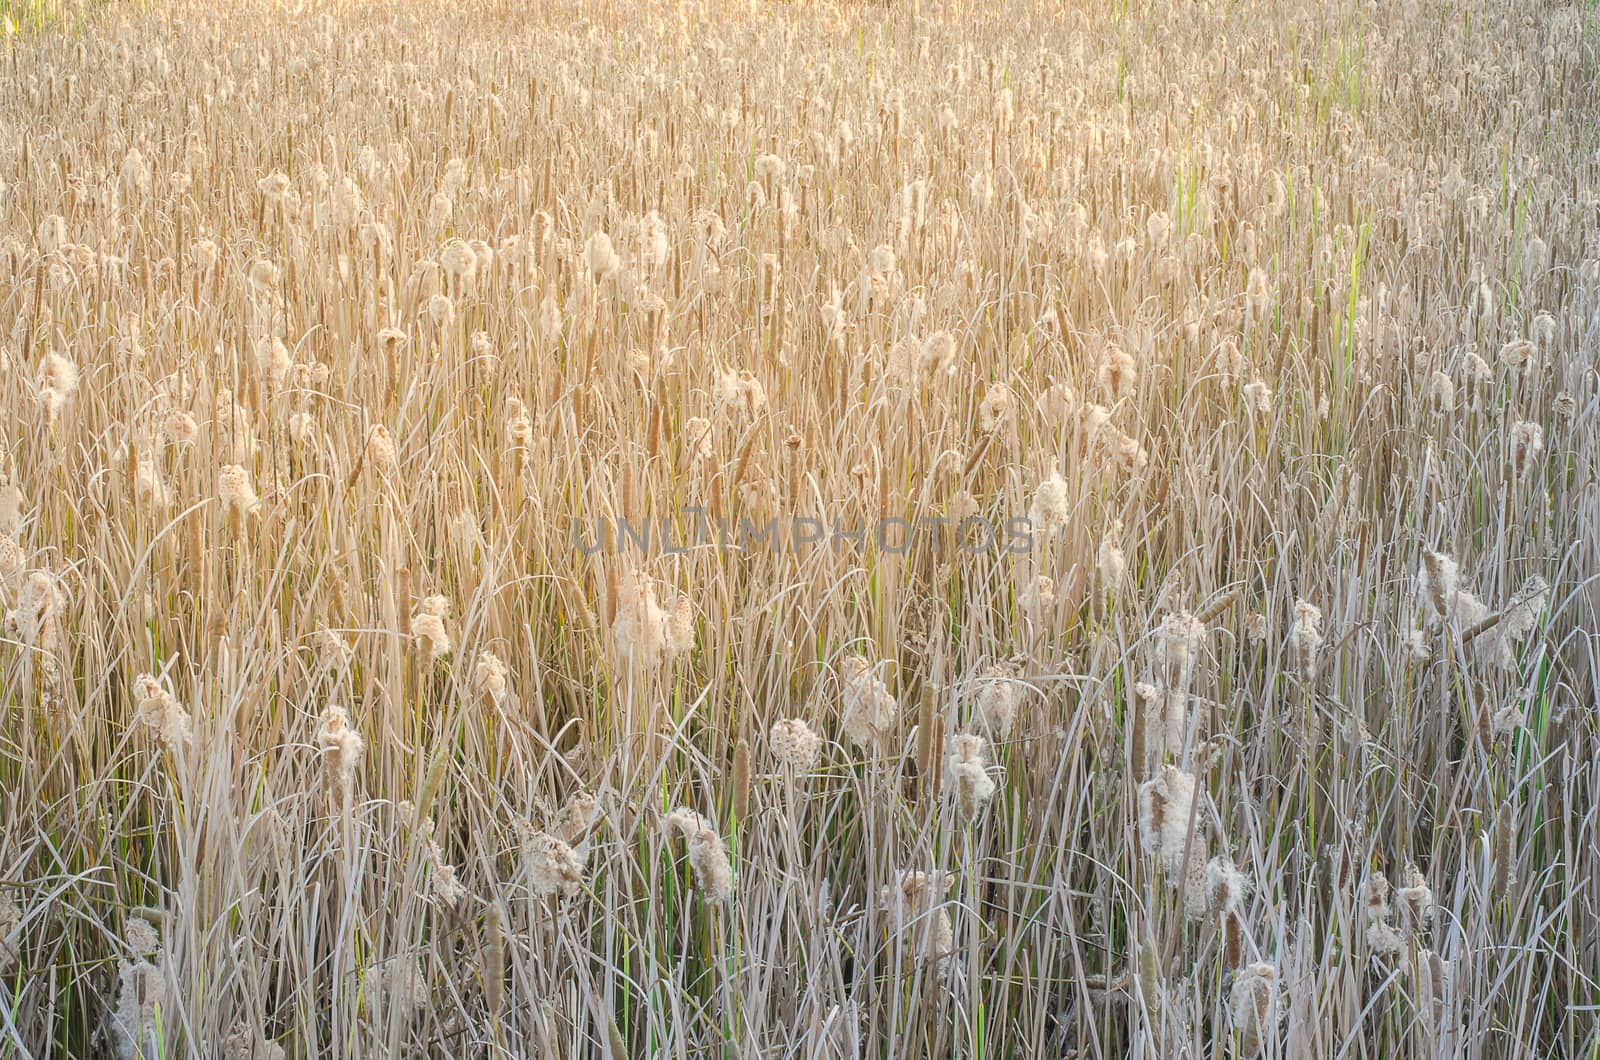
551, 866
914, 902
967, 773
237, 493
1110, 560
1527, 448
58, 380
794, 745
870, 712
428, 626
1253, 1007
997, 702
713, 872
1305, 638
10, 932
1383, 936
1165, 720
492, 678
1166, 804
1051, 509
1179, 642
342, 747
1225, 889
143, 1020
649, 631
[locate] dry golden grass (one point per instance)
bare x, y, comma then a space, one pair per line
1260, 335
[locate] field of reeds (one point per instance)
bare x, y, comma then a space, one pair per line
799, 530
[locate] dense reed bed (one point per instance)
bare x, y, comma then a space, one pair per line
799, 530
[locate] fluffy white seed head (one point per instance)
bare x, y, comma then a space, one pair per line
553, 868
914, 902
58, 381
492, 677
648, 630
870, 712
429, 626
161, 712
998, 699
1306, 638
708, 858
1179, 642
342, 747
1052, 506
236, 492
967, 772
794, 745
1165, 802
1253, 1006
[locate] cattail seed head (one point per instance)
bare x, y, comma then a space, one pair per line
458, 261
1226, 886
1440, 581
967, 772
142, 1017
870, 712
36, 618
1306, 638
1166, 720
1165, 803
1442, 392
914, 901
707, 856
1051, 508
58, 380
428, 626
1117, 374
996, 408
263, 276
739, 391
380, 449
141, 937
1257, 398
999, 696
519, 427
794, 745
158, 709
1110, 559
575, 818
235, 491
1253, 1006
649, 632
441, 311
342, 747
1038, 597
600, 256
553, 868
1382, 935
1527, 447
937, 356
492, 678
1178, 645
1415, 903
740, 805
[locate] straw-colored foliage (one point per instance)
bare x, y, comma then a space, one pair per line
1016, 529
